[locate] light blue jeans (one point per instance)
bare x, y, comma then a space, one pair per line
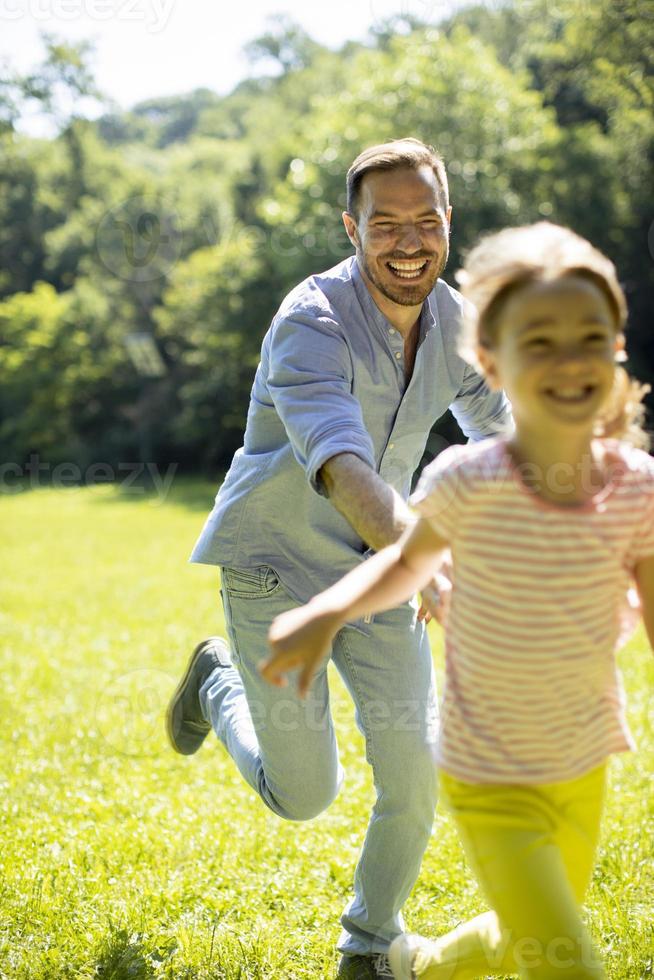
286, 748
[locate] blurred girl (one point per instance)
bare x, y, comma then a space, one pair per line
547, 528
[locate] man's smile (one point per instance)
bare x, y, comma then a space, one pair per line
408, 268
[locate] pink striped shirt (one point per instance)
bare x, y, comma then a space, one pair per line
539, 606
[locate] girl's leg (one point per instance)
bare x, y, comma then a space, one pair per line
531, 849
474, 949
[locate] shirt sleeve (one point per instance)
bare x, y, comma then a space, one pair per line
310, 383
440, 494
479, 411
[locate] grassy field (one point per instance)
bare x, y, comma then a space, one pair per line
119, 859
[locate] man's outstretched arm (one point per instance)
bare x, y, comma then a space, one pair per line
372, 507
379, 516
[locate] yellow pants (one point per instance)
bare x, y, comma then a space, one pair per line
532, 850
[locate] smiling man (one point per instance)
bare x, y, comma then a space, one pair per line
358, 364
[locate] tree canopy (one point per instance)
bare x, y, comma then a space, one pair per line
187, 218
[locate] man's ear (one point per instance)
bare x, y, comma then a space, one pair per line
488, 366
351, 229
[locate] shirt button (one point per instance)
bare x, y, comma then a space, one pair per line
398, 356
391, 333
391, 445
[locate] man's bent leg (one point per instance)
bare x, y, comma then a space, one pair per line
389, 673
284, 747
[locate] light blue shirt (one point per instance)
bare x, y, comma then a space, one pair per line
331, 380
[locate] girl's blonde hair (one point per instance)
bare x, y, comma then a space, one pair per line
503, 262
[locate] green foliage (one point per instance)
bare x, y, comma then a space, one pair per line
68, 386
139, 221
498, 160
64, 78
24, 216
286, 44
591, 60
30, 356
173, 119
201, 318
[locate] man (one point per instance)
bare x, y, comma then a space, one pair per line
358, 364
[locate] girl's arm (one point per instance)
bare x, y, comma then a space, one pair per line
302, 637
644, 572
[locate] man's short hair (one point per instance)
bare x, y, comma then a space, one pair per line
407, 152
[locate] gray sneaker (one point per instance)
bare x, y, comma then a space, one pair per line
185, 724
374, 966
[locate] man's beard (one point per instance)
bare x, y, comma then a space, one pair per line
405, 295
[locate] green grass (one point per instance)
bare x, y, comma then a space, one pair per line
119, 859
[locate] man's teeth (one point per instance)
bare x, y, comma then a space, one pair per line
408, 270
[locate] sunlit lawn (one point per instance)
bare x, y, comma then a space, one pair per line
119, 859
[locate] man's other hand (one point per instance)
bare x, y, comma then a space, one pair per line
435, 597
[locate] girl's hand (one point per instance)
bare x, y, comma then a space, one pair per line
436, 596
429, 603
298, 638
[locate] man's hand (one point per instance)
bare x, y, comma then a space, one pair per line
299, 638
437, 595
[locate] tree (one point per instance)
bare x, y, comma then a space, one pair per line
286, 44
64, 86
190, 217
209, 331
498, 139
593, 64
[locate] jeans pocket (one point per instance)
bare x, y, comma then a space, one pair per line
250, 583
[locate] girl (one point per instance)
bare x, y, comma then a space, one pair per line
547, 527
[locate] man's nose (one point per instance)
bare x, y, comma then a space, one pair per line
410, 240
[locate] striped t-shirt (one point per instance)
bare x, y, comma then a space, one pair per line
532, 691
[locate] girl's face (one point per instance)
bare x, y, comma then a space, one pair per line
554, 354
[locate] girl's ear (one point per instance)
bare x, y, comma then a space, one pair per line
620, 352
488, 364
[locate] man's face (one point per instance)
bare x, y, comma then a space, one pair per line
401, 234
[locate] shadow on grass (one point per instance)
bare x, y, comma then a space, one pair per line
195, 493
191, 492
